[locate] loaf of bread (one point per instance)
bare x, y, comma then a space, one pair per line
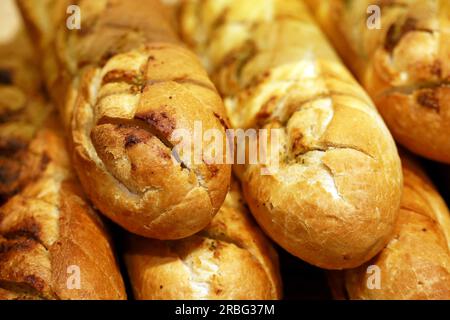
52, 243
125, 87
333, 197
22, 111
230, 259
416, 262
404, 65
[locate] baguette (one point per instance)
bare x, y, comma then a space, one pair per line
404, 65
124, 84
335, 197
416, 262
22, 111
47, 229
230, 259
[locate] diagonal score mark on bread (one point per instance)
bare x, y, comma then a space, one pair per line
315, 111
159, 124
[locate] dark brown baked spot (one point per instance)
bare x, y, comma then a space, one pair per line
427, 98
131, 140
216, 254
7, 115
436, 69
161, 121
397, 31
9, 173
213, 170
390, 42
164, 154
5, 77
213, 245
7, 246
119, 75
21, 290
35, 282
221, 19
45, 160
27, 228
11, 146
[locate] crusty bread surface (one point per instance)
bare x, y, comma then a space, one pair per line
415, 264
230, 259
333, 196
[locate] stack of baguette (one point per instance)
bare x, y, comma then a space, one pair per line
137, 72
334, 201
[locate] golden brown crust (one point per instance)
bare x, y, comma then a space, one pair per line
416, 262
46, 225
129, 170
125, 87
335, 196
230, 259
404, 65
